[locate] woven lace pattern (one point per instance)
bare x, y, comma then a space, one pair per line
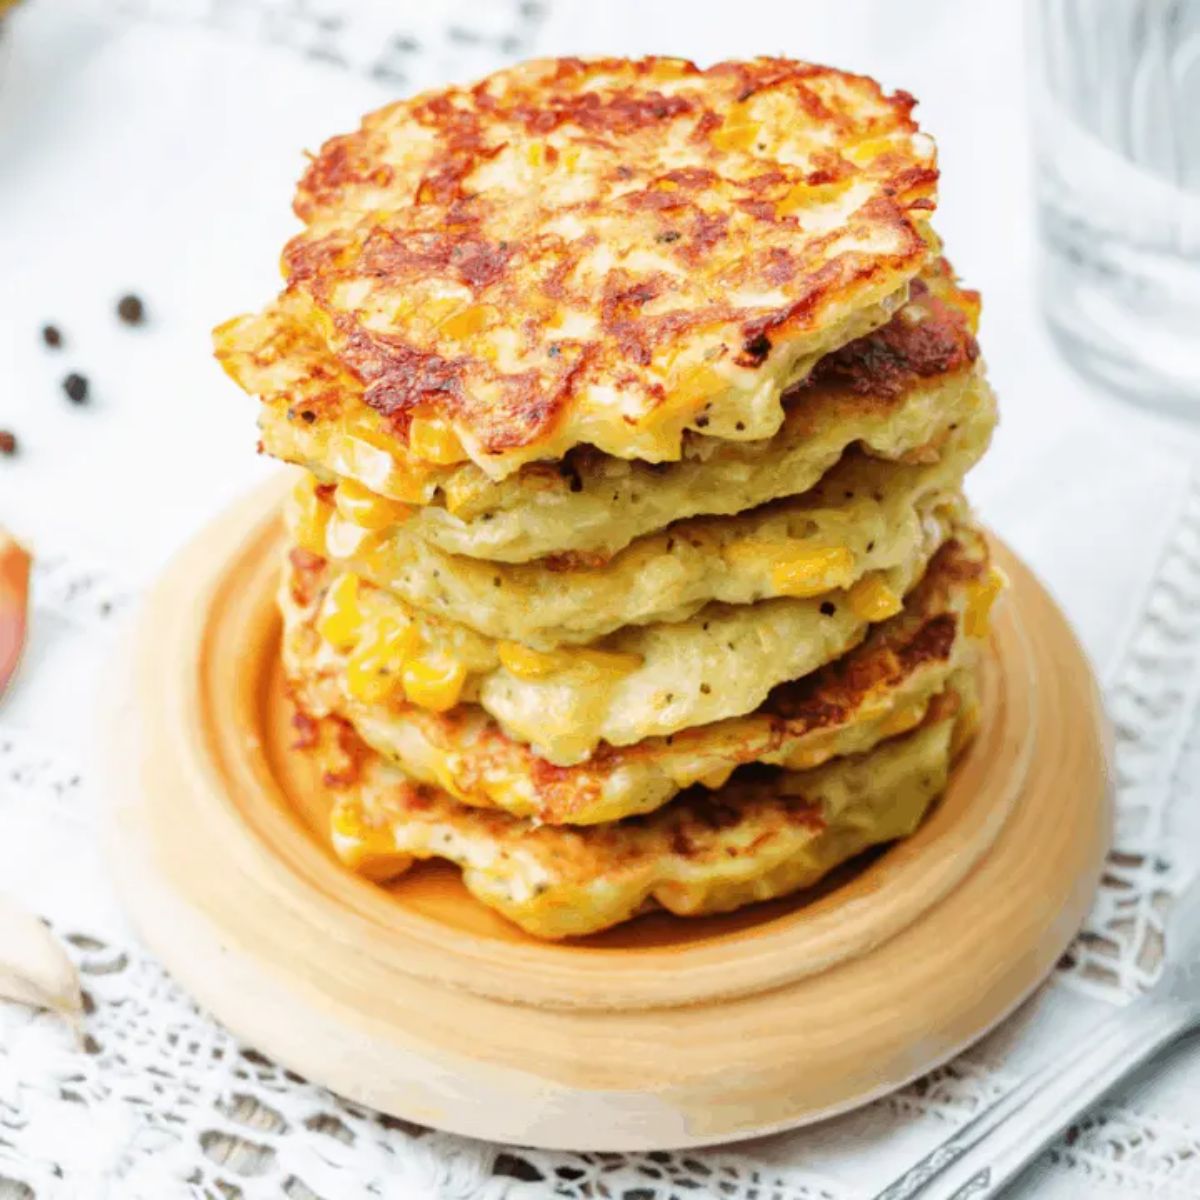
1152, 701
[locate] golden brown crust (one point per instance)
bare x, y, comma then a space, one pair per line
932, 335
760, 836
553, 253
314, 416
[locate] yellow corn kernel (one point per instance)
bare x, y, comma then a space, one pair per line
980, 598
808, 195
869, 149
405, 308
374, 670
310, 517
346, 820
811, 572
349, 823
902, 718
368, 847
380, 558
436, 311
738, 133
342, 617
872, 600
535, 154
434, 681
972, 305
362, 456
462, 489
457, 494
608, 662
320, 320
372, 446
367, 510
467, 321
525, 663
697, 385
670, 68
431, 439
365, 681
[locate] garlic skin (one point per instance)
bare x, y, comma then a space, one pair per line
14, 604
34, 967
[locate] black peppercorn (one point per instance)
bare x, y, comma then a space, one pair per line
76, 387
131, 310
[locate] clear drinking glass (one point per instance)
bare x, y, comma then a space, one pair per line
1116, 130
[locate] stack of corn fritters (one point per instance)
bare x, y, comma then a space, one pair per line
630, 567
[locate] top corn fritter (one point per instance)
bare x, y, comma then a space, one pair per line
603, 253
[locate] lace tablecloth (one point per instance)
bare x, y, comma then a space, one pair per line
154, 150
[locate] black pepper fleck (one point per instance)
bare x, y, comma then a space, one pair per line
131, 310
8, 442
308, 416
828, 608
76, 387
757, 348
52, 336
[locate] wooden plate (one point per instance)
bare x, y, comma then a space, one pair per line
662, 1033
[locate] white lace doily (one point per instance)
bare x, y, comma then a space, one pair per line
157, 1102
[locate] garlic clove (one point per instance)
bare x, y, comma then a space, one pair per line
34, 968
14, 604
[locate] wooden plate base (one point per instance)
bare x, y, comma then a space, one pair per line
664, 1033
